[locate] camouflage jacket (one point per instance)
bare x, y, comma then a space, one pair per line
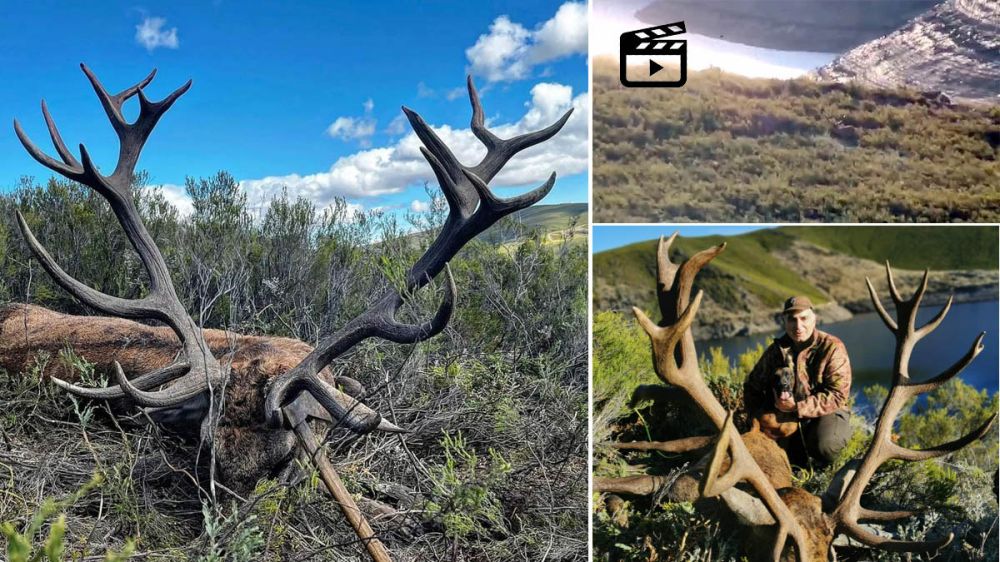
822, 376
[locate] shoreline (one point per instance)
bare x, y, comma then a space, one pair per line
835, 313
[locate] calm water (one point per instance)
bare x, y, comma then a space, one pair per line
870, 345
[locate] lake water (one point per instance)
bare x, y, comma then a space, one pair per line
611, 19
870, 345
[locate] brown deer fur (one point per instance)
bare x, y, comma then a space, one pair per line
246, 449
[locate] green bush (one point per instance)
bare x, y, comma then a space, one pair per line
20, 547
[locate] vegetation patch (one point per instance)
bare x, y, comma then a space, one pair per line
725, 148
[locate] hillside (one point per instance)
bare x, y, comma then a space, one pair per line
554, 220
730, 149
745, 286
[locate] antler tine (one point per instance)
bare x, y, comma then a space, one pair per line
479, 119
133, 136
496, 206
124, 308
473, 209
664, 341
866, 537
458, 200
674, 284
883, 314
977, 347
849, 510
149, 380
112, 104
199, 369
666, 272
711, 484
39, 155
183, 390
57, 141
893, 292
933, 323
500, 151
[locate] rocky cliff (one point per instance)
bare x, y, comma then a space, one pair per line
952, 48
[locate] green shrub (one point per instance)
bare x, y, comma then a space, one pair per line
20, 547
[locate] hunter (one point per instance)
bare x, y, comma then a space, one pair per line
799, 388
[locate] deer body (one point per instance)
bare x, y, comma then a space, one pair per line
248, 449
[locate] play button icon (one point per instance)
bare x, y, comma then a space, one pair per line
654, 67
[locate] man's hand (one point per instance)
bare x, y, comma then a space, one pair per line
784, 402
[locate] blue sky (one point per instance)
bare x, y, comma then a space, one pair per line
303, 94
607, 237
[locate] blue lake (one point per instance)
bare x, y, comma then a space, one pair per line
870, 345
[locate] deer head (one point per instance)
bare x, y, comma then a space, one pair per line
791, 513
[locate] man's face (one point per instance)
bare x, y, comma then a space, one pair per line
800, 325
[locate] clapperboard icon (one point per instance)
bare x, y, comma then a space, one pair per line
652, 58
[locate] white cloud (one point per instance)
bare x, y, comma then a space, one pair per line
509, 51
259, 201
424, 91
351, 128
150, 34
455, 93
360, 128
176, 196
563, 35
418, 206
397, 126
385, 170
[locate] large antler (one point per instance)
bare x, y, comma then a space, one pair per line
197, 369
849, 511
473, 208
675, 361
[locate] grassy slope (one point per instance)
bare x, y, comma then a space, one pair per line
547, 218
553, 217
909, 247
747, 262
732, 149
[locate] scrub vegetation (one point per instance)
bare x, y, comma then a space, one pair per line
725, 148
493, 468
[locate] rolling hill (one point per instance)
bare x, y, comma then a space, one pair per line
745, 286
726, 148
555, 221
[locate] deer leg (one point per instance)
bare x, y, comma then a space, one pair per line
642, 485
684, 445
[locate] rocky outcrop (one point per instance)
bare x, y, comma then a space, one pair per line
951, 52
